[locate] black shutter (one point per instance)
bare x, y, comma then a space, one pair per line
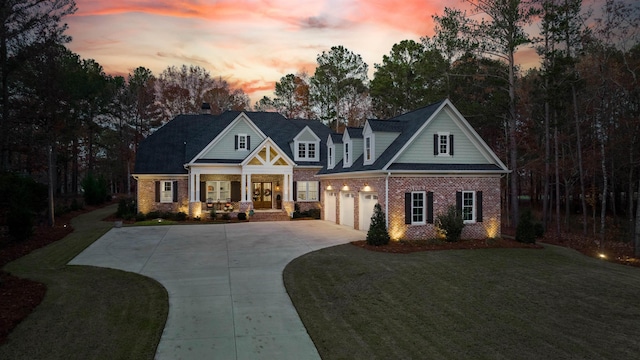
248, 142
295, 191
479, 206
407, 208
203, 191
236, 191
435, 144
174, 187
459, 202
319, 190
157, 191
235, 146
430, 207
451, 144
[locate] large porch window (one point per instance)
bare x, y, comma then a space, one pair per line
218, 190
307, 190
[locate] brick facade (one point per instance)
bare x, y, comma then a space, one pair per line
444, 194
146, 196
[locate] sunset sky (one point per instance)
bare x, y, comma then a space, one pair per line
250, 43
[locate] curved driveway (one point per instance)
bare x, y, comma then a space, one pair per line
226, 295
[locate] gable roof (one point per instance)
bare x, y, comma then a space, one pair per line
180, 140
410, 125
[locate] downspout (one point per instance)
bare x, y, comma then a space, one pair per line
386, 200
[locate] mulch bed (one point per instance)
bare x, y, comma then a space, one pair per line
405, 247
18, 297
615, 251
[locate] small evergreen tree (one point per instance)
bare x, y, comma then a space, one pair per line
450, 224
526, 230
377, 234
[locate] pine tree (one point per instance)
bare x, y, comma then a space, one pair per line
377, 234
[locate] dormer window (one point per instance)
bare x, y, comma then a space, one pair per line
242, 142
443, 144
347, 154
307, 151
331, 160
368, 150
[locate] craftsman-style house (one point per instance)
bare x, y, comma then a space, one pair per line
414, 165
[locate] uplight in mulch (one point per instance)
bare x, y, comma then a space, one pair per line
602, 256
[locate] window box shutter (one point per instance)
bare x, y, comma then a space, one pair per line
430, 207
203, 191
435, 144
235, 146
174, 187
407, 208
479, 206
236, 193
295, 191
451, 144
157, 189
459, 202
248, 142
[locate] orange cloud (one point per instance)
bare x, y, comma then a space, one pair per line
253, 86
414, 16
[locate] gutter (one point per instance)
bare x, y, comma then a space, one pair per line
386, 200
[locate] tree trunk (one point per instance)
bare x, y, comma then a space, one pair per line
637, 239
603, 210
513, 145
557, 161
51, 166
547, 152
583, 194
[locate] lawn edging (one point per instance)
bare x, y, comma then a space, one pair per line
89, 312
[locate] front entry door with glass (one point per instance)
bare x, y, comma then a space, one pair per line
262, 195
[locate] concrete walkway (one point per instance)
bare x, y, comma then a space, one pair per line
226, 294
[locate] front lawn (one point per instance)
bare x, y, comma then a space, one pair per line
491, 303
87, 312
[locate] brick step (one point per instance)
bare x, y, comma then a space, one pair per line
270, 216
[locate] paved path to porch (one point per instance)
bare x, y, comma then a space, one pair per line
226, 294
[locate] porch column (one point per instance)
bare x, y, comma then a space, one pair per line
244, 184
289, 191
197, 188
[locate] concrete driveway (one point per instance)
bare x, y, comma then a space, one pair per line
226, 295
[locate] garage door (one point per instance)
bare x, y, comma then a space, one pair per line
346, 208
330, 206
367, 202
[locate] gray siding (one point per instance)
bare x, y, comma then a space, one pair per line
225, 148
382, 141
358, 149
421, 150
307, 135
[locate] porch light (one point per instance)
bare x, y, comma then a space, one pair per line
278, 185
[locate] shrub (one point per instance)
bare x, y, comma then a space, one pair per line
226, 216
126, 207
20, 223
180, 216
378, 234
525, 231
212, 214
314, 213
75, 205
140, 217
242, 216
450, 224
153, 215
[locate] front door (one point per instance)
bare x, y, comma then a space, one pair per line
262, 195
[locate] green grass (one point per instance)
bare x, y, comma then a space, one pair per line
482, 304
88, 312
155, 222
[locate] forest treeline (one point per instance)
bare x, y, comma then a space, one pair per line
568, 128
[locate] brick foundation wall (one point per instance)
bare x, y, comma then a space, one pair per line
444, 194
147, 195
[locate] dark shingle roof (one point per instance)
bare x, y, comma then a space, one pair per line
386, 125
181, 139
355, 133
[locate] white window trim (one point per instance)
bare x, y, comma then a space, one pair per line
331, 156
163, 192
348, 149
424, 208
317, 191
370, 159
217, 185
242, 136
306, 156
473, 207
446, 135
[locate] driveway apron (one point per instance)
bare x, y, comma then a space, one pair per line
226, 294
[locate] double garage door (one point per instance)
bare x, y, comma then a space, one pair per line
347, 208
